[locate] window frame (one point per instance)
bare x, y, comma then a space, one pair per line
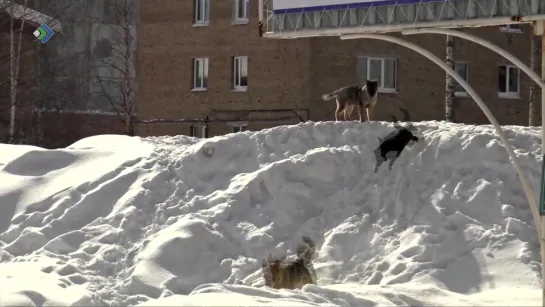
511, 28
202, 131
508, 94
238, 19
237, 125
462, 92
205, 67
205, 21
237, 82
382, 60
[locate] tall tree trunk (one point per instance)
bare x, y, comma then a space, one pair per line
38, 103
533, 111
12, 82
15, 59
450, 82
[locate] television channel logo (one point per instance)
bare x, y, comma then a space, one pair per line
44, 33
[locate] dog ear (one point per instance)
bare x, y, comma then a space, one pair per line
264, 263
379, 139
270, 258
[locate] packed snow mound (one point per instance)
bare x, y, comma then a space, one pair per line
170, 221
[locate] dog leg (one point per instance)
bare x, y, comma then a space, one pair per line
394, 159
337, 115
392, 163
360, 112
340, 108
348, 112
337, 112
379, 157
383, 155
369, 112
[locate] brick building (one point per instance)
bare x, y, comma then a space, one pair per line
197, 57
203, 70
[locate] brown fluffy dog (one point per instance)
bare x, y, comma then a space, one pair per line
280, 273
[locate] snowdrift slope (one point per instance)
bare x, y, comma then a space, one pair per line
183, 221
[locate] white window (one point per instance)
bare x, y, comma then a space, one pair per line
198, 131
240, 73
241, 11
513, 28
237, 127
384, 70
508, 82
202, 12
200, 74
462, 68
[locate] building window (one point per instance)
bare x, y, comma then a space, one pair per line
241, 11
237, 127
202, 12
512, 28
200, 74
462, 68
198, 131
240, 73
384, 70
508, 82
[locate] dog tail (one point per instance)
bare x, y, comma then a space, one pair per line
306, 250
267, 273
330, 96
305, 254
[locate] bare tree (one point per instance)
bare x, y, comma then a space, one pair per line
533, 111
450, 82
16, 25
50, 90
115, 72
22, 21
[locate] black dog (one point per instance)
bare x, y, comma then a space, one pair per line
394, 142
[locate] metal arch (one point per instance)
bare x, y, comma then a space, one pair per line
503, 137
484, 43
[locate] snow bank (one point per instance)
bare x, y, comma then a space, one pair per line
183, 221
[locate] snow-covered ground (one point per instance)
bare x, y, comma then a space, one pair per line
179, 221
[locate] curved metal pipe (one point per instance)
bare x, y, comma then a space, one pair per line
533, 75
516, 162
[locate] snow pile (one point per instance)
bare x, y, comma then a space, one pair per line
176, 221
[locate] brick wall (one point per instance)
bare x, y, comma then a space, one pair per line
278, 70
295, 73
421, 84
64, 129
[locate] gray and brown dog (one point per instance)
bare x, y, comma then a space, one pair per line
280, 273
350, 96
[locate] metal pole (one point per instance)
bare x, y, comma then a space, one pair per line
542, 211
469, 89
483, 42
539, 30
339, 31
261, 15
